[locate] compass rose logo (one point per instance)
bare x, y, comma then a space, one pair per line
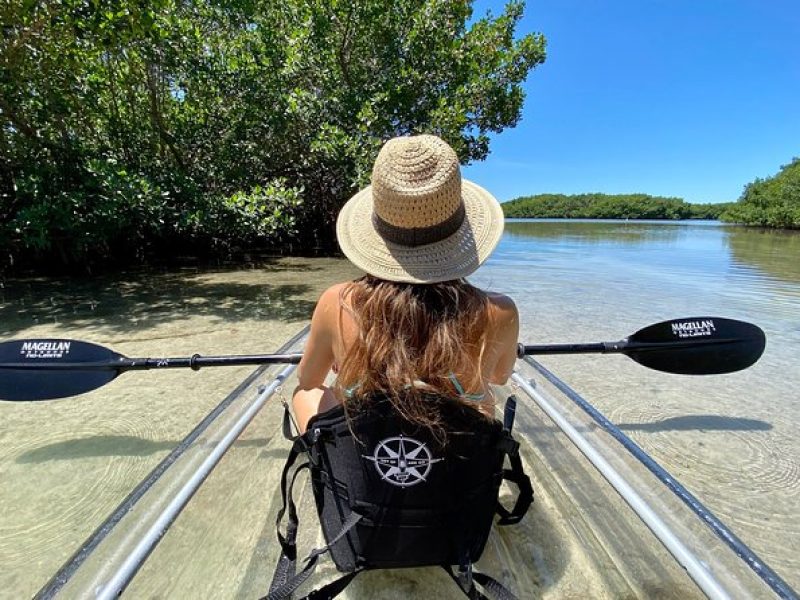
402, 461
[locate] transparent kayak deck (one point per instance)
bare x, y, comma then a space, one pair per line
603, 524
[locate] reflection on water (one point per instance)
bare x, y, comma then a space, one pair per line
672, 247
776, 253
592, 231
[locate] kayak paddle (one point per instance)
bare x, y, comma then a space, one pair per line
44, 369
692, 346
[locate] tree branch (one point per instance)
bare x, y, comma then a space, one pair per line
156, 117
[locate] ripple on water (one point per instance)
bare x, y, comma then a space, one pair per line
732, 465
65, 484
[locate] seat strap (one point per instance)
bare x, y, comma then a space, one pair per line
280, 590
509, 413
287, 423
517, 476
300, 445
287, 541
285, 568
467, 578
334, 588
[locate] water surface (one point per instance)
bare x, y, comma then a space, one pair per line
731, 439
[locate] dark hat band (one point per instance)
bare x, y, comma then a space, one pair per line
419, 236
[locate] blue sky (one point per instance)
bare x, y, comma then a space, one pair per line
686, 98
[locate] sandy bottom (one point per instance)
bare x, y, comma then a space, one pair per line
66, 464
577, 541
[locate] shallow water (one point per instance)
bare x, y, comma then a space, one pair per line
731, 439
64, 465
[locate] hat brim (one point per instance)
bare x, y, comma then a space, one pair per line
454, 257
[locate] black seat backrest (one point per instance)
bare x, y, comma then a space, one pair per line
422, 501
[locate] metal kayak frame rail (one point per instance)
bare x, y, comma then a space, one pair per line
695, 568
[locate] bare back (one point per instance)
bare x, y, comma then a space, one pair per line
334, 329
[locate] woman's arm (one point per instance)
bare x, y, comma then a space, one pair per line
311, 395
505, 323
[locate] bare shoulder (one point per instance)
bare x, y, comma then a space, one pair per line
336, 290
331, 297
503, 330
501, 302
504, 317
502, 307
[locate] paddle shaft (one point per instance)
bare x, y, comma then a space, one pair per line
43, 369
197, 361
599, 347
143, 364
622, 346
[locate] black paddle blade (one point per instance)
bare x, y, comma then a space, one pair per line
697, 346
43, 369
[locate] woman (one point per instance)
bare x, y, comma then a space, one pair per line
412, 327
405, 470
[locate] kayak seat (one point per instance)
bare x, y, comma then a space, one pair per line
389, 494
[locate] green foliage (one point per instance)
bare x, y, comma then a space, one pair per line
129, 127
709, 212
609, 206
262, 212
771, 202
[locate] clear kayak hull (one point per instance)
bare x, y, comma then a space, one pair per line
581, 538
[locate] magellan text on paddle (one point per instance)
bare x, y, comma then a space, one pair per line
687, 329
44, 349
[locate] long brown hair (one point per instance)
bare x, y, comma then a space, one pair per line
411, 339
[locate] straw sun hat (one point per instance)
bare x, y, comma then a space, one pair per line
419, 221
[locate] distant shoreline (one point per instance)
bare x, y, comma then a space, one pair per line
610, 206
